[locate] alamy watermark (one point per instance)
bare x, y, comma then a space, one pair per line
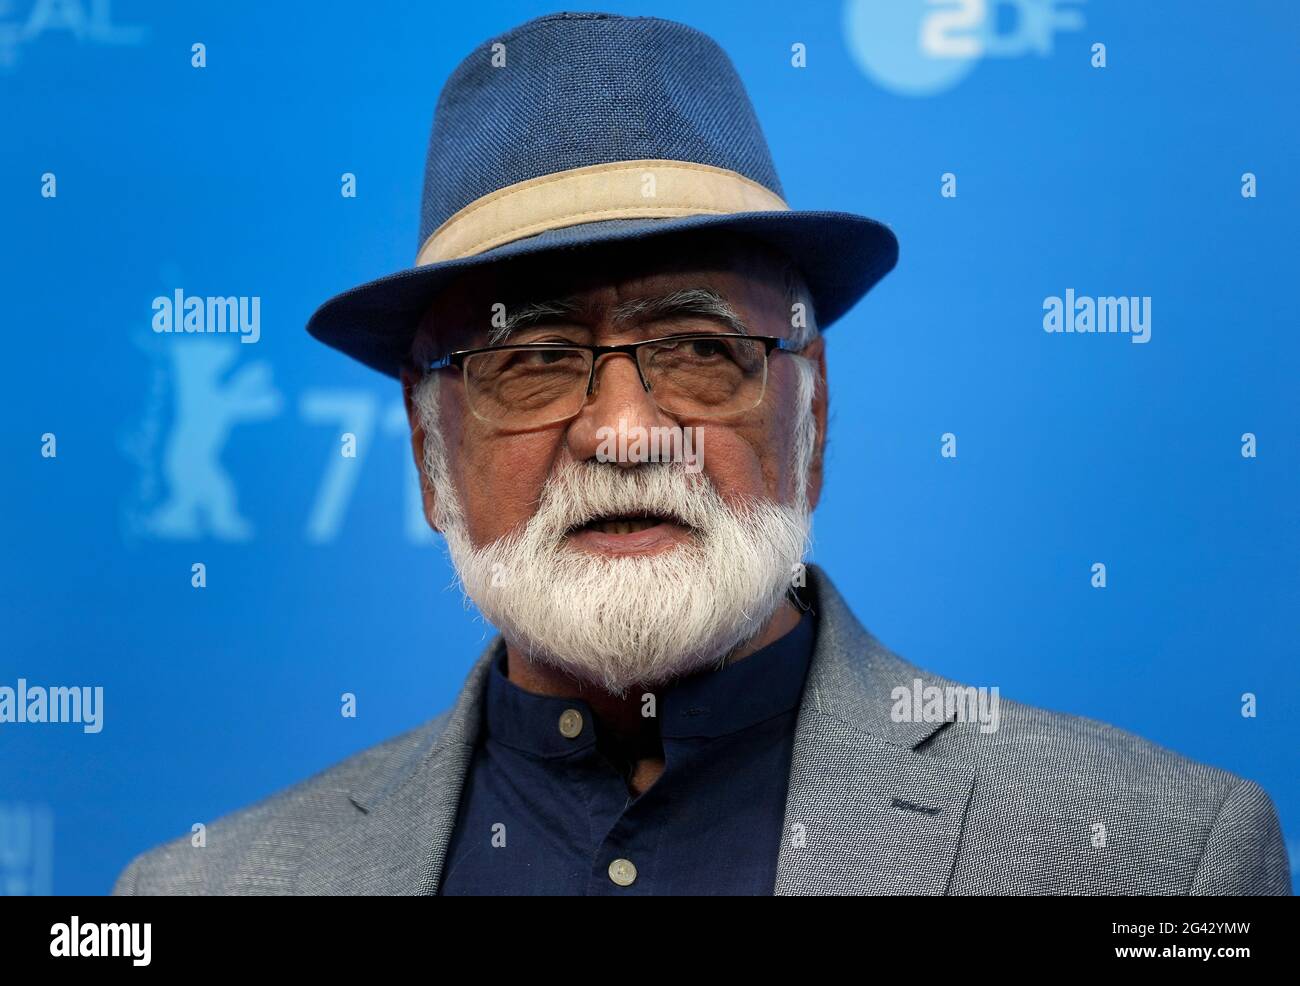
102, 940
194, 314
951, 703
55, 704
660, 443
1082, 314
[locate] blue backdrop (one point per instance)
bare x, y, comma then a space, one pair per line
1073, 449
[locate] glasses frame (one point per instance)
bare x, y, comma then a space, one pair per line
457, 360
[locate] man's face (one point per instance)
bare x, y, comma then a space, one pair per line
759, 470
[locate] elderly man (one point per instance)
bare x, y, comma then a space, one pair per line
611, 356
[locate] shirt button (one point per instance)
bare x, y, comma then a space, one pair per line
570, 723
622, 872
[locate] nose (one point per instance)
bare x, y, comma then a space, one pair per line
618, 402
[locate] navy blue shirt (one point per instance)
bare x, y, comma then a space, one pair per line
543, 812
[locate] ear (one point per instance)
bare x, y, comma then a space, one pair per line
816, 351
409, 381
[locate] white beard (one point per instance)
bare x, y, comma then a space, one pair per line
620, 621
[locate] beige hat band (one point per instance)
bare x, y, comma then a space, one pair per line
650, 189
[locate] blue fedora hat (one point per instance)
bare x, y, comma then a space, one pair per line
575, 129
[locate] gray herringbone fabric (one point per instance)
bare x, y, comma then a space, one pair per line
874, 806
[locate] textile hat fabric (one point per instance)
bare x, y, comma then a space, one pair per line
579, 129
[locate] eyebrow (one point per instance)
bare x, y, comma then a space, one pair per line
532, 313
686, 301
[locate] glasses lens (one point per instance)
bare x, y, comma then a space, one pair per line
706, 376
527, 387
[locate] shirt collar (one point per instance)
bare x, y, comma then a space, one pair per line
707, 704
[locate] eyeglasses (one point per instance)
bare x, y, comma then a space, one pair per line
706, 375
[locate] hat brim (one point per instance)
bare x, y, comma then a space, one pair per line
841, 256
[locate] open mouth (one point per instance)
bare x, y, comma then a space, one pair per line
630, 534
624, 524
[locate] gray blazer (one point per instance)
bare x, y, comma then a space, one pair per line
1046, 804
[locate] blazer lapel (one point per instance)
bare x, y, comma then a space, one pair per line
866, 812
398, 843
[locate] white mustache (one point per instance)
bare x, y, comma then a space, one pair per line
578, 493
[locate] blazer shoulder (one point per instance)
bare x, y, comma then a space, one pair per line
1044, 743
1044, 735
1217, 832
260, 842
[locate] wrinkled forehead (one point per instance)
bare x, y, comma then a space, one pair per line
742, 271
